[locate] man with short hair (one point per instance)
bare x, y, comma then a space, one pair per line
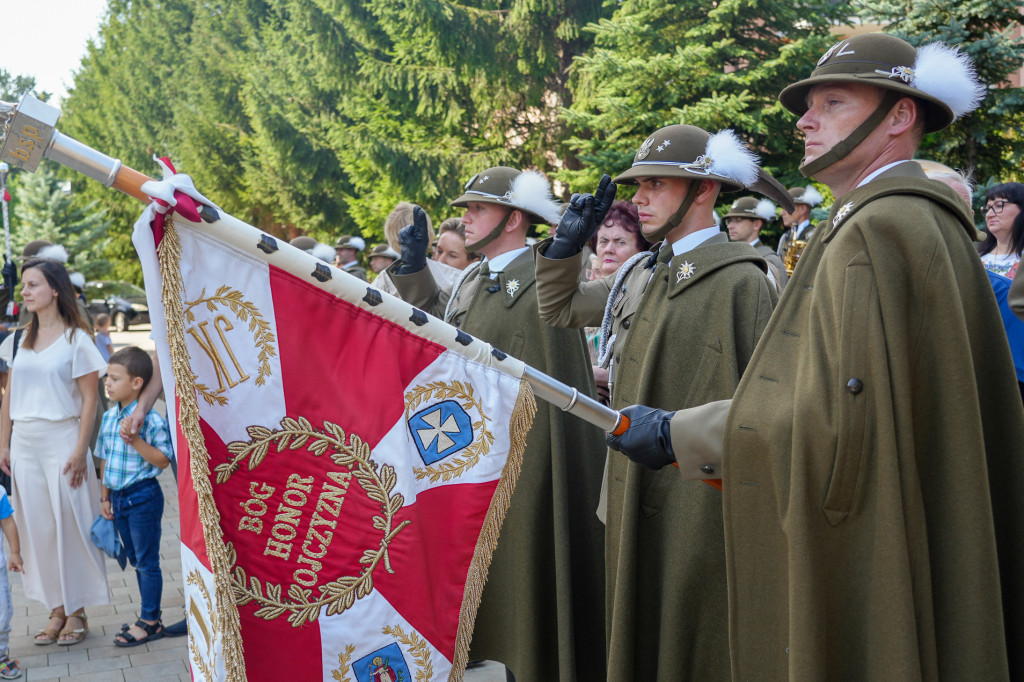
346, 251
679, 329
744, 221
381, 257
798, 221
541, 613
871, 458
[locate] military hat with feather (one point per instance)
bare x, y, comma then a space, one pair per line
526, 191
685, 151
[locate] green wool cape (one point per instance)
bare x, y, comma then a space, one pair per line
684, 334
874, 457
542, 612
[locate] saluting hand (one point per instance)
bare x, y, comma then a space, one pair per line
581, 220
414, 240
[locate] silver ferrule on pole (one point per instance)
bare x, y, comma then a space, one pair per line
30, 135
70, 152
567, 398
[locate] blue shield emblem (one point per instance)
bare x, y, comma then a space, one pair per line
384, 665
440, 430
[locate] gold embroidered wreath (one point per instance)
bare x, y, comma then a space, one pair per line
413, 643
353, 453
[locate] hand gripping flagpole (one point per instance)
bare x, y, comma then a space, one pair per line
28, 134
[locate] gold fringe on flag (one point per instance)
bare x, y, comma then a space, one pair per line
169, 252
519, 425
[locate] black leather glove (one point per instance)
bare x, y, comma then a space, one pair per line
415, 241
648, 440
581, 220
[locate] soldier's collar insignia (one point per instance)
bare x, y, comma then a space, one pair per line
686, 271
512, 286
841, 214
645, 148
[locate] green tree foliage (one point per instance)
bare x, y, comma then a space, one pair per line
412, 97
46, 211
988, 140
711, 64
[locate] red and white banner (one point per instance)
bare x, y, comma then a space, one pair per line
342, 472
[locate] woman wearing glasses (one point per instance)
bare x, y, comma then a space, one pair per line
1004, 223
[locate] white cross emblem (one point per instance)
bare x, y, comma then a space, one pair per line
841, 214
686, 271
438, 430
512, 286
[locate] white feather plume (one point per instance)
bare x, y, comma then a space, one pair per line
765, 209
53, 252
531, 191
357, 243
948, 75
731, 159
811, 196
77, 279
323, 252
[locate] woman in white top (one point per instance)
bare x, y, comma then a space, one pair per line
44, 445
1004, 223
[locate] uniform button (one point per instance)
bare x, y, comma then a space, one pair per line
855, 386
457, 323
625, 324
707, 469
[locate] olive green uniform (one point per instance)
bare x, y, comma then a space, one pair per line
684, 334
774, 263
541, 613
874, 457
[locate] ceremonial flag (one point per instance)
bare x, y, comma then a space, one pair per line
343, 473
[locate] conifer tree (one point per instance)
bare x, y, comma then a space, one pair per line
47, 211
711, 64
989, 140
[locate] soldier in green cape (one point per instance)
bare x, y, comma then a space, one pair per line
873, 455
678, 329
541, 613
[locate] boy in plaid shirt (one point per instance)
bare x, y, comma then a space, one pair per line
130, 494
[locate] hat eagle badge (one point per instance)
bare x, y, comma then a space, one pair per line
645, 148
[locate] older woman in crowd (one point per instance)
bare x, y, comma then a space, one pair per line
1004, 224
617, 240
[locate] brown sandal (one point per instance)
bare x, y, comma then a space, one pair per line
74, 635
52, 633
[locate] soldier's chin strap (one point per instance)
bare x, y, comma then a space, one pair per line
494, 234
676, 218
847, 145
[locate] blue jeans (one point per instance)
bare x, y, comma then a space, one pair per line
137, 512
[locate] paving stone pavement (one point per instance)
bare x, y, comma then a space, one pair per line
96, 658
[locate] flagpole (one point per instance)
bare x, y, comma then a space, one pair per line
4, 169
30, 135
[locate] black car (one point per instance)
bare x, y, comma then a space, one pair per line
124, 302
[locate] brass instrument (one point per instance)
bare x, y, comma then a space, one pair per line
793, 250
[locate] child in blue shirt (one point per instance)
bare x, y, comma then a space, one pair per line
130, 494
9, 669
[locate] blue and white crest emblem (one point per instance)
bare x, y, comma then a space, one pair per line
384, 664
440, 429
